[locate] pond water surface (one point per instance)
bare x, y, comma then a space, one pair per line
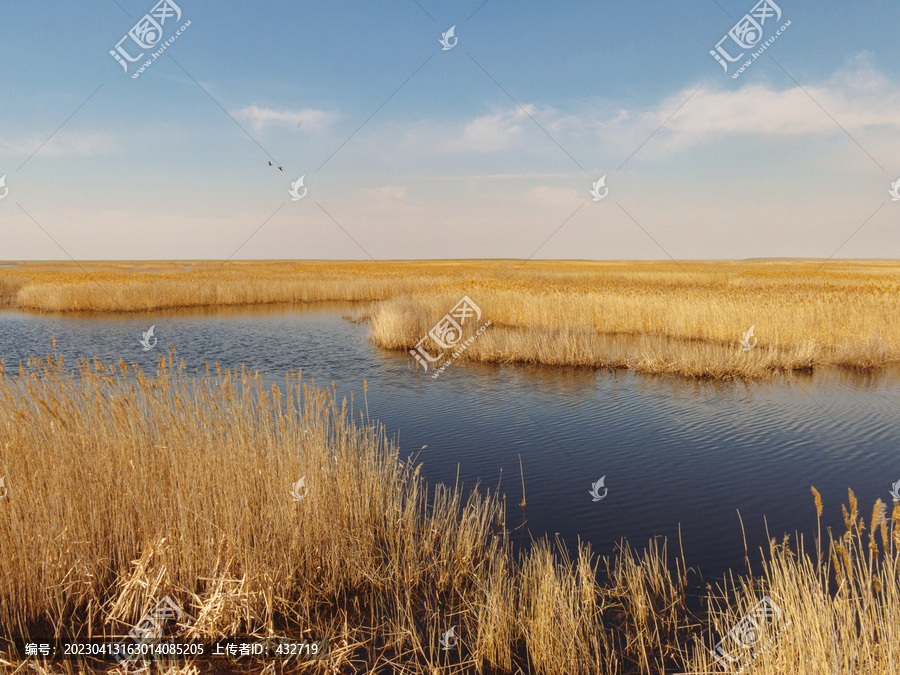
676, 454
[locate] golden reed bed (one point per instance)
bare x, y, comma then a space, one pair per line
684, 318
123, 488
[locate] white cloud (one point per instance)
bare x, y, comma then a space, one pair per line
67, 144
263, 117
857, 98
495, 132
490, 133
762, 110
389, 194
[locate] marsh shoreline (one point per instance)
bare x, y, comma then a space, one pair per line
688, 318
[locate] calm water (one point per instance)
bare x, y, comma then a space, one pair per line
674, 452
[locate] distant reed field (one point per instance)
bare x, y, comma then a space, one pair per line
683, 318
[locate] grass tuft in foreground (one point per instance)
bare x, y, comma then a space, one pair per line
124, 487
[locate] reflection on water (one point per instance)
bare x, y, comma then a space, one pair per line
676, 453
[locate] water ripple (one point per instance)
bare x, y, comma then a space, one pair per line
674, 452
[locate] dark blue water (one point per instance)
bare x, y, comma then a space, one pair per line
675, 453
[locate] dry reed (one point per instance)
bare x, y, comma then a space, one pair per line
124, 487
684, 318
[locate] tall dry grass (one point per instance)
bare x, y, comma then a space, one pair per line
103, 288
841, 607
684, 318
125, 487
672, 321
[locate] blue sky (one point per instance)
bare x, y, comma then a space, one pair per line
487, 150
